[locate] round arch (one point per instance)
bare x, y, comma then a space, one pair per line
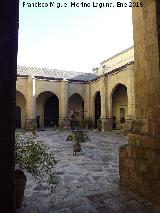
20, 110
47, 109
115, 86
119, 105
97, 106
75, 108
39, 92
76, 92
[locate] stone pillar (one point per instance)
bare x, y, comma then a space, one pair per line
131, 94
140, 159
87, 105
88, 102
8, 70
31, 104
63, 118
106, 121
92, 103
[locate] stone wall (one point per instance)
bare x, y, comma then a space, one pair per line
36, 92
21, 85
140, 159
117, 60
139, 166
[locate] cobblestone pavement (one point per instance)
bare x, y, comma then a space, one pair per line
87, 182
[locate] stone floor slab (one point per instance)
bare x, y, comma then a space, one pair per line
87, 182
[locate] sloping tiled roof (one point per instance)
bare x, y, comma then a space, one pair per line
55, 74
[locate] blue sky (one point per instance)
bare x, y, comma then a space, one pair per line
68, 38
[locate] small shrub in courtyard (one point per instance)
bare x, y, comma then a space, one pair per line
34, 156
80, 135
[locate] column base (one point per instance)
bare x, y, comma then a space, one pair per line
30, 124
106, 124
139, 166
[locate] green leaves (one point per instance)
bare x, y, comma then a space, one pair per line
78, 136
34, 156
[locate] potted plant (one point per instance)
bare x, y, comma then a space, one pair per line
32, 156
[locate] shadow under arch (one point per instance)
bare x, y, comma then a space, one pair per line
47, 109
97, 106
20, 109
119, 105
75, 109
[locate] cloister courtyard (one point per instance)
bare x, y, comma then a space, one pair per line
87, 182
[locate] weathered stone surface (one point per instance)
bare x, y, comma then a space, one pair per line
114, 204
143, 146
80, 187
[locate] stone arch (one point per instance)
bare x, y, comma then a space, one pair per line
75, 108
97, 106
40, 91
47, 109
20, 110
73, 92
119, 104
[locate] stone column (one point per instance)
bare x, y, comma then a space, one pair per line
92, 103
63, 118
31, 104
8, 70
106, 121
140, 159
131, 99
88, 104
131, 93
